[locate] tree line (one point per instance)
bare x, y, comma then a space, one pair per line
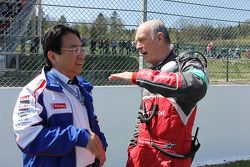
105, 28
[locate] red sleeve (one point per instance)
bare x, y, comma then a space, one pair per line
134, 75
183, 85
156, 78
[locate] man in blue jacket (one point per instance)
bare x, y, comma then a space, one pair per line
54, 120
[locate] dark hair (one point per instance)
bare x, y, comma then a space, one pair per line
164, 30
52, 40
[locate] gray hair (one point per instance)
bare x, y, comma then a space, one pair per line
158, 26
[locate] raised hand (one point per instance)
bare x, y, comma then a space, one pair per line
126, 76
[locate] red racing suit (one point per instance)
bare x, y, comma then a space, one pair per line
175, 86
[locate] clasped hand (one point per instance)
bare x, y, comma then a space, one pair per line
95, 147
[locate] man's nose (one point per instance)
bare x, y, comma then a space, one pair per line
138, 45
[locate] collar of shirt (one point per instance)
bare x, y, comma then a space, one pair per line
62, 77
70, 87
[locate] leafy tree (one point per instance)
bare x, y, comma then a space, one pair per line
206, 32
100, 27
244, 29
83, 29
47, 22
62, 20
116, 26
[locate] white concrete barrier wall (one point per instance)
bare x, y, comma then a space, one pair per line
223, 117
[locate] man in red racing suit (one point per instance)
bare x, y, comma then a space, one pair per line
172, 86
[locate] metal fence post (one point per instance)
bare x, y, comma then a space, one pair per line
144, 18
227, 68
40, 15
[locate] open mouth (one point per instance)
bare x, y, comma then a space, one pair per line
142, 54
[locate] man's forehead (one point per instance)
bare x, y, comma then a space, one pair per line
139, 35
143, 31
71, 40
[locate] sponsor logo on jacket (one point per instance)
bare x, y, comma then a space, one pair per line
58, 105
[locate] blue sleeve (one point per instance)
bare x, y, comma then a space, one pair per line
57, 141
35, 137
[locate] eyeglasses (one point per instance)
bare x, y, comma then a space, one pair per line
76, 50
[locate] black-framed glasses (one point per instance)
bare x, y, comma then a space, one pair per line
75, 50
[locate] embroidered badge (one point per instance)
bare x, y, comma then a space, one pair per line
58, 105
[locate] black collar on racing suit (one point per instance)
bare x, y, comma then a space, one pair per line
169, 58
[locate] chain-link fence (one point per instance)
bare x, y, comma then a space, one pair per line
219, 29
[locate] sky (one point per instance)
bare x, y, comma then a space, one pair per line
170, 11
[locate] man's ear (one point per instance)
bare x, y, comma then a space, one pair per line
52, 57
160, 36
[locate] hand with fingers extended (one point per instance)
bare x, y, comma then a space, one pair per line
95, 147
126, 76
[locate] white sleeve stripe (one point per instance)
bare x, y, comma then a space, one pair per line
26, 136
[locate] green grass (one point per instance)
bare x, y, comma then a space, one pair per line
243, 163
232, 70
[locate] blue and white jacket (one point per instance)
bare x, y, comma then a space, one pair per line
43, 123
